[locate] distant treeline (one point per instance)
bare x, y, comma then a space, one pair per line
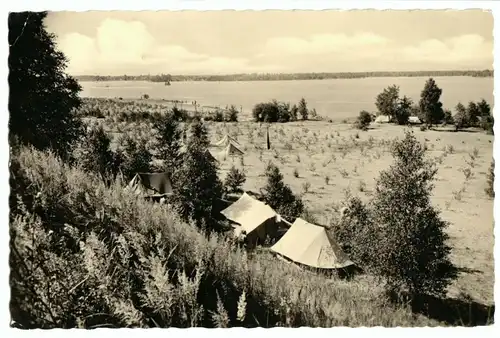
284, 76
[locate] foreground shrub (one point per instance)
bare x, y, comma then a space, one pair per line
412, 253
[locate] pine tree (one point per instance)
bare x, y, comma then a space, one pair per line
279, 196
461, 118
42, 99
199, 133
303, 111
197, 184
412, 253
234, 180
135, 157
430, 104
93, 152
168, 140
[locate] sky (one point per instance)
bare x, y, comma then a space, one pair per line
226, 42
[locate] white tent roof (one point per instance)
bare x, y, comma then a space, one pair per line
226, 140
309, 244
249, 213
382, 119
232, 150
414, 120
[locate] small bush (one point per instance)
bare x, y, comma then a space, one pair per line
363, 121
231, 114
305, 187
490, 189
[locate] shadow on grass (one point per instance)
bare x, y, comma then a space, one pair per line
452, 311
468, 270
472, 131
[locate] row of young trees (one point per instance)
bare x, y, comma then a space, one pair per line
430, 108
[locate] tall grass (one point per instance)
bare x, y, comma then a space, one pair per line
128, 262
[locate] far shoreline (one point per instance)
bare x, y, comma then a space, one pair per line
167, 78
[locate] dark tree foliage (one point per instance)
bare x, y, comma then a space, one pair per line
448, 117
303, 111
430, 104
473, 114
197, 184
387, 101
179, 114
484, 108
403, 111
43, 99
199, 133
294, 112
363, 121
461, 117
168, 140
234, 180
412, 253
231, 114
279, 196
93, 152
356, 233
273, 111
135, 158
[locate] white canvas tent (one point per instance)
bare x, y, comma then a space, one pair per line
382, 119
231, 150
151, 184
226, 140
257, 219
310, 245
414, 120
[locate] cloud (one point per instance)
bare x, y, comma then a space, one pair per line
320, 44
464, 50
127, 47
367, 51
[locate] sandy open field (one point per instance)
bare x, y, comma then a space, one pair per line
352, 161
353, 164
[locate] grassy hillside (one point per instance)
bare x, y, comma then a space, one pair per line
127, 262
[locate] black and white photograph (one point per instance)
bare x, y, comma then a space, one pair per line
251, 168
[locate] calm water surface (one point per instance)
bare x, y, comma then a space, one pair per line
336, 98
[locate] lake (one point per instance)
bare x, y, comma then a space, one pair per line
335, 98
